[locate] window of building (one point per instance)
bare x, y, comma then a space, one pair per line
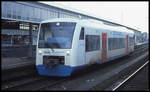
14, 40
24, 26
82, 34
92, 42
10, 24
6, 39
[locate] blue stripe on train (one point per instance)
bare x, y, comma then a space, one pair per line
59, 70
63, 70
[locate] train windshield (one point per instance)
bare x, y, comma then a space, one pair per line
56, 35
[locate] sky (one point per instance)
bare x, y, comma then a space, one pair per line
132, 14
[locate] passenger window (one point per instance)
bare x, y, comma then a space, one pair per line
82, 34
92, 42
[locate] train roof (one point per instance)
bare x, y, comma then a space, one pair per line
91, 23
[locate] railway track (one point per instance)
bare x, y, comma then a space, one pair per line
141, 49
123, 81
34, 83
18, 73
50, 84
138, 46
123, 78
40, 82
16, 83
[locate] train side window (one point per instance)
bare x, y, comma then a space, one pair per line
116, 43
92, 42
82, 34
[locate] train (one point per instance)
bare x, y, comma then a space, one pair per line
65, 45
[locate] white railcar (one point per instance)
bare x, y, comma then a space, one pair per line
65, 45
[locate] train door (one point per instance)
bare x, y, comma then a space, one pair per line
104, 47
127, 37
81, 54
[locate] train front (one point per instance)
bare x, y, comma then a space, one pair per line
53, 52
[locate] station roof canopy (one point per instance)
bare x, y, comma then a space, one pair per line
86, 14
38, 6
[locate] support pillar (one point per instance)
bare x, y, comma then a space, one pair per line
30, 41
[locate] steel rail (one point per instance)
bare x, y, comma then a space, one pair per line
13, 85
130, 76
50, 85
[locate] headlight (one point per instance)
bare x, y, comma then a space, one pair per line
40, 51
68, 52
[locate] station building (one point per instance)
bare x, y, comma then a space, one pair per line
20, 21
